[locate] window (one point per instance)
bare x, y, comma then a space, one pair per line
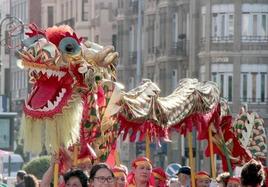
214, 77
162, 76
114, 41
254, 83
254, 22
174, 29
245, 24
222, 22
222, 85
231, 25
67, 10
62, 11
203, 21
150, 73
120, 38
263, 87
245, 87
254, 86
50, 16
230, 88
222, 74
203, 25
254, 25
264, 25
133, 38
84, 10
150, 29
163, 22
71, 5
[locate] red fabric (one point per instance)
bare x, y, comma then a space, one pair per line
56, 34
101, 96
34, 30
155, 131
111, 159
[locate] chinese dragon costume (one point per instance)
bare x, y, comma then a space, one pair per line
75, 98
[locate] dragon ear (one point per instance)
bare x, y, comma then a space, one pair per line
69, 46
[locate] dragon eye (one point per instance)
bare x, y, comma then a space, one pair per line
69, 45
69, 48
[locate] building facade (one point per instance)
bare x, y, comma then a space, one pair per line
233, 51
222, 41
89, 18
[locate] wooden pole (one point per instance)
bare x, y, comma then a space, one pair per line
148, 152
213, 168
190, 145
75, 156
56, 172
117, 158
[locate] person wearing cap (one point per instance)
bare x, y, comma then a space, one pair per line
202, 179
120, 174
233, 182
141, 174
160, 177
184, 176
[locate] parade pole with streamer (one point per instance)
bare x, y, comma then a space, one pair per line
211, 153
190, 144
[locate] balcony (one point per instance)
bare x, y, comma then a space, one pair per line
254, 100
254, 43
178, 48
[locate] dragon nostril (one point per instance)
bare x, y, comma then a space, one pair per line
69, 48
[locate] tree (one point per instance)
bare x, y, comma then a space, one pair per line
38, 166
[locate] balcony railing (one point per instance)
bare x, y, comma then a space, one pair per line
222, 39
254, 38
255, 100
176, 49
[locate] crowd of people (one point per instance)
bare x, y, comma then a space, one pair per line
143, 174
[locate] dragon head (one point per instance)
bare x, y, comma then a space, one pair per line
62, 67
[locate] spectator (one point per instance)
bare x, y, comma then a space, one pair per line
160, 177
202, 179
75, 178
20, 178
174, 182
101, 176
233, 182
120, 174
141, 174
30, 181
252, 174
184, 176
222, 179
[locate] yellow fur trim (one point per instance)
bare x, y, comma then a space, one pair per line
62, 130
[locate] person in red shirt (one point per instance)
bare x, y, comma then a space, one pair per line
141, 174
160, 177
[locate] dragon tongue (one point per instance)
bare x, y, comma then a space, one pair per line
46, 91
